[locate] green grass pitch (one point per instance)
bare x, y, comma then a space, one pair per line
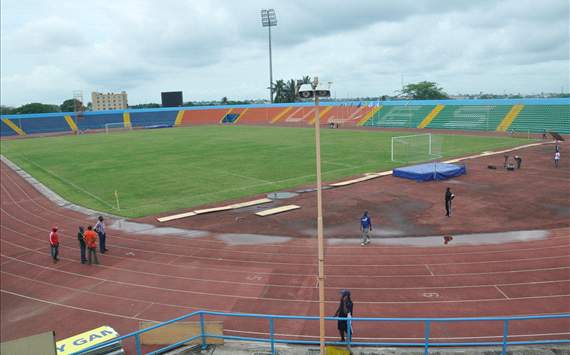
155, 171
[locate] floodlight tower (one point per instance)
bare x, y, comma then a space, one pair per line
269, 19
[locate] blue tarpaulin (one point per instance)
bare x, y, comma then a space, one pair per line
430, 171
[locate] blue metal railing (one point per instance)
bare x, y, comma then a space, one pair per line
272, 340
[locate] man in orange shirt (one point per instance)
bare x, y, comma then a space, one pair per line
90, 238
54, 243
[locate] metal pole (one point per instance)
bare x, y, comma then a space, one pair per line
320, 239
270, 68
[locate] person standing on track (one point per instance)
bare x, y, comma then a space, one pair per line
54, 243
365, 228
91, 241
82, 245
344, 311
100, 229
449, 196
557, 158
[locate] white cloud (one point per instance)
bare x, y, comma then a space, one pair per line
212, 49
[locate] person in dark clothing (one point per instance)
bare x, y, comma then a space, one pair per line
519, 161
449, 196
82, 244
102, 234
344, 310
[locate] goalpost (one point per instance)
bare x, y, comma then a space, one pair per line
116, 127
415, 148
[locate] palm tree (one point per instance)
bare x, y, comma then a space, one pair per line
279, 90
291, 90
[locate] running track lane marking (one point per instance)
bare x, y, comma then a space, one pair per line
287, 274
290, 264
72, 307
276, 285
229, 330
502, 293
309, 301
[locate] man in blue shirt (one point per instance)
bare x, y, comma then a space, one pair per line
365, 228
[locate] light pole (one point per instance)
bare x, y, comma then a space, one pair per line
307, 91
269, 19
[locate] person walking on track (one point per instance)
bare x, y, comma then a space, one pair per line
91, 241
82, 245
449, 196
557, 158
365, 228
100, 229
344, 311
54, 243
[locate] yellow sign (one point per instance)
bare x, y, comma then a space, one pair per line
85, 340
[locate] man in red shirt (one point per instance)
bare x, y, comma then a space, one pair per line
54, 243
90, 238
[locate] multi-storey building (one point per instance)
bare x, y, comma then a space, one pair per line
109, 101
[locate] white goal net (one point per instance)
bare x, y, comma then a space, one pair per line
116, 127
415, 148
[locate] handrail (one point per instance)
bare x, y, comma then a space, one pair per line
272, 340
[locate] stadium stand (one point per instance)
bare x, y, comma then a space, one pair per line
399, 116
203, 116
525, 115
470, 117
145, 119
99, 121
48, 124
261, 115
544, 117
10, 127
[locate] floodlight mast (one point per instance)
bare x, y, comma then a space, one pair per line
269, 19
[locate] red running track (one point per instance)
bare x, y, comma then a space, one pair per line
149, 277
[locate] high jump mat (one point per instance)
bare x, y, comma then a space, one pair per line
430, 171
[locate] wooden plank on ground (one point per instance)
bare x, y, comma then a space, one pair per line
276, 210
176, 216
360, 179
251, 203
179, 331
213, 209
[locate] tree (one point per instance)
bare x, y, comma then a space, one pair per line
7, 110
70, 105
36, 107
425, 90
280, 91
224, 100
141, 106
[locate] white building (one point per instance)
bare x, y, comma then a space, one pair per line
109, 101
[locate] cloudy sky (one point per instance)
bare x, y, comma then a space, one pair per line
215, 48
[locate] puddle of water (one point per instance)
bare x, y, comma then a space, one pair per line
458, 239
149, 229
251, 239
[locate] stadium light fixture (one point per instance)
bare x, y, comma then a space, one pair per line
269, 19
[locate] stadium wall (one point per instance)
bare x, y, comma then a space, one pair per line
532, 115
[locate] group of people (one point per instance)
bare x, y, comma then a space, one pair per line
88, 240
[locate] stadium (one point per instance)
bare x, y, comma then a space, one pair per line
231, 229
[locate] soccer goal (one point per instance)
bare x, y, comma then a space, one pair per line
116, 127
415, 148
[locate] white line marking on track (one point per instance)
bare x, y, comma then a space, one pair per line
502, 293
72, 307
428, 269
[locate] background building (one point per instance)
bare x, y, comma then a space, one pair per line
109, 101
